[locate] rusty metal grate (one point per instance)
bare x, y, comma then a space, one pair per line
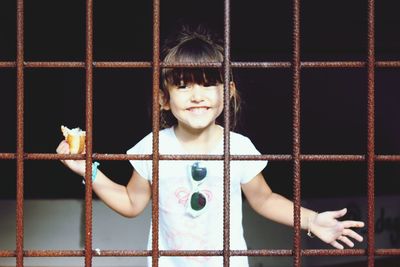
296, 157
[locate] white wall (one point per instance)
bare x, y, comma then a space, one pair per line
58, 224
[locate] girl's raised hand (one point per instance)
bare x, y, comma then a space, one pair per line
77, 166
326, 227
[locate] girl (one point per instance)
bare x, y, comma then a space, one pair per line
191, 192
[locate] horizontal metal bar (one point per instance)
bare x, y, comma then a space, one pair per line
261, 65
138, 64
252, 252
309, 157
387, 158
304, 252
271, 157
387, 64
387, 252
55, 64
8, 156
8, 64
334, 252
333, 64
250, 65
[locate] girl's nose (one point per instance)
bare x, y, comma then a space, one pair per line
197, 93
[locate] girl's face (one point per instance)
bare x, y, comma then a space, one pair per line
195, 106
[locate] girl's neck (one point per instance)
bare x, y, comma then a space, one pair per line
199, 141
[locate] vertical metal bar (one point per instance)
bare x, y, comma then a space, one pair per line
89, 132
296, 133
226, 66
156, 128
371, 132
20, 135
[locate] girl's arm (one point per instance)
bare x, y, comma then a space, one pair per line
128, 201
277, 208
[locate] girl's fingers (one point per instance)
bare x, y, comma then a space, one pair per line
352, 234
336, 244
63, 148
351, 224
346, 240
339, 213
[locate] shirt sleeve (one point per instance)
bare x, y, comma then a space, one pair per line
250, 168
143, 167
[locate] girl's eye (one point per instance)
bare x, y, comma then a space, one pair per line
182, 85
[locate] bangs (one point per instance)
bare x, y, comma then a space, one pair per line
193, 51
201, 76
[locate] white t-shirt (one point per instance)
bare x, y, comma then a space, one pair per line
178, 229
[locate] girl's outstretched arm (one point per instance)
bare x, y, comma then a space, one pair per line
128, 201
277, 208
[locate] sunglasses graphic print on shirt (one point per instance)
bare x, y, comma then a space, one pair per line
195, 200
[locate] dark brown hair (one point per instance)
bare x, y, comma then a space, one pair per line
194, 45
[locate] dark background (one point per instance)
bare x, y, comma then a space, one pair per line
333, 101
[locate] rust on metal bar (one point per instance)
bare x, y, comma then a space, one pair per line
238, 64
270, 157
252, 65
8, 156
123, 64
371, 134
20, 136
8, 64
388, 252
334, 64
8, 253
226, 114
192, 253
387, 158
304, 252
58, 64
333, 252
89, 132
263, 65
81, 253
332, 157
192, 65
296, 133
251, 252
54, 253
262, 252
387, 64
155, 129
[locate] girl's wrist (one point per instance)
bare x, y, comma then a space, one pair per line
310, 224
94, 172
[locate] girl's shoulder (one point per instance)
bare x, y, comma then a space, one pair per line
241, 144
237, 137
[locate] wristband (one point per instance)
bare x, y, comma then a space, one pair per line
94, 172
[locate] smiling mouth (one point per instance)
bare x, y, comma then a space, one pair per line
198, 110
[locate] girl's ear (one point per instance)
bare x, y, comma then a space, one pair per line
164, 103
232, 89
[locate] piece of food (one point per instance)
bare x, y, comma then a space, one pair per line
75, 138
